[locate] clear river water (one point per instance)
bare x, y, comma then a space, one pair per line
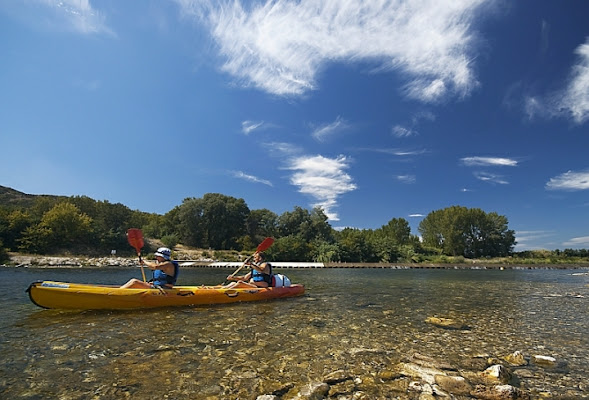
359, 321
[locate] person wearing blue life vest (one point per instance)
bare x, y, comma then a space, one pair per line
260, 274
165, 272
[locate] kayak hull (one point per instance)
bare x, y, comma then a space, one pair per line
78, 296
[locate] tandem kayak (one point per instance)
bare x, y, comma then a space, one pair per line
78, 296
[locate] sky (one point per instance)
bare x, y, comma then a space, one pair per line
372, 110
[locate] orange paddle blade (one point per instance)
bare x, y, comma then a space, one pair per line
265, 244
135, 238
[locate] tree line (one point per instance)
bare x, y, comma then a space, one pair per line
81, 225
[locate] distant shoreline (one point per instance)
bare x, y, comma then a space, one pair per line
29, 261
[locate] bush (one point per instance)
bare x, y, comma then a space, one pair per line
3, 253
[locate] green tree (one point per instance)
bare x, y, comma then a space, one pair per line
459, 231
68, 226
289, 248
261, 224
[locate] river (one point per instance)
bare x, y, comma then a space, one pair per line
355, 323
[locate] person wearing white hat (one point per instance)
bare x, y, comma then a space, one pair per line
165, 272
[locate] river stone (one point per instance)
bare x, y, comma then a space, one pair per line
516, 359
313, 391
426, 374
497, 374
267, 397
345, 388
447, 323
453, 384
499, 392
546, 361
337, 377
428, 361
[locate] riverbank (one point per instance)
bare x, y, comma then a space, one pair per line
25, 261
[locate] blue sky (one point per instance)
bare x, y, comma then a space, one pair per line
372, 110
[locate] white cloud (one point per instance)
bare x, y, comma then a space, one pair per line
575, 99
250, 178
572, 101
282, 46
396, 151
248, 127
488, 161
570, 180
71, 15
400, 131
322, 132
416, 215
282, 148
322, 178
406, 178
532, 240
578, 242
489, 177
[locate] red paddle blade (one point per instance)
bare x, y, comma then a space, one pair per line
135, 238
265, 244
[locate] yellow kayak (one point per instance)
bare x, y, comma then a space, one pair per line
78, 296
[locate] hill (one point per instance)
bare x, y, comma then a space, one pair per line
13, 198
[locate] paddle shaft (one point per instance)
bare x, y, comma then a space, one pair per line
261, 247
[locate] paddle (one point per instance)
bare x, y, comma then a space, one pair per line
135, 238
265, 245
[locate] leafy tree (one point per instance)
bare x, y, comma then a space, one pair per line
216, 221
324, 252
398, 230
459, 231
261, 224
3, 253
67, 225
36, 239
289, 248
353, 245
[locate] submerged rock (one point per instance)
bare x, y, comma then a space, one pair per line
497, 373
499, 392
546, 361
517, 359
446, 323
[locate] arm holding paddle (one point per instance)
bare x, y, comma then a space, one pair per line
257, 265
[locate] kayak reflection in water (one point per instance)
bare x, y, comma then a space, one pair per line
260, 274
165, 272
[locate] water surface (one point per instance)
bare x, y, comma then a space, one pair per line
360, 321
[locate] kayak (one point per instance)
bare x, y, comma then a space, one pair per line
78, 296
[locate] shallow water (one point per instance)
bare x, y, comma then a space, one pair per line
360, 321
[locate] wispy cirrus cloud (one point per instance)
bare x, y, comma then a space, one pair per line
575, 98
489, 177
281, 46
250, 178
324, 179
532, 240
395, 151
401, 131
577, 242
406, 178
570, 102
571, 180
63, 15
322, 132
488, 161
248, 127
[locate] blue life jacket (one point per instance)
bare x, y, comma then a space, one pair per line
160, 278
258, 276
